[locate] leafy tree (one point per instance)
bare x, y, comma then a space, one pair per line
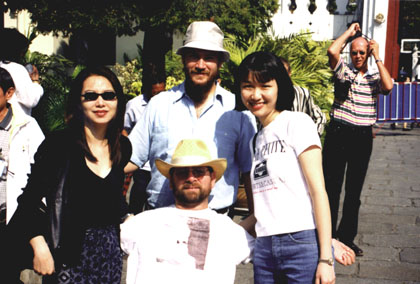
244, 18
70, 16
159, 19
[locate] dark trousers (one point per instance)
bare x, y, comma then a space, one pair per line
347, 150
138, 196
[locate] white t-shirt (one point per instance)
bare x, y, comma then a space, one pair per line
282, 202
170, 245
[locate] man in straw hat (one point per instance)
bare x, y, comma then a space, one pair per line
199, 107
186, 242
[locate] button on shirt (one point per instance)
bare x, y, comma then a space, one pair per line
170, 117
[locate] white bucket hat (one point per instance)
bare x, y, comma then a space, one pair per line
192, 153
204, 35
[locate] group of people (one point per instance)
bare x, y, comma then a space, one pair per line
198, 147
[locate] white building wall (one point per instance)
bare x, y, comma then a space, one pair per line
128, 45
321, 23
372, 27
326, 26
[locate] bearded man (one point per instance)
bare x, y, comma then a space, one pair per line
199, 108
186, 242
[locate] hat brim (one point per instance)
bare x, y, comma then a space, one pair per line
208, 46
218, 166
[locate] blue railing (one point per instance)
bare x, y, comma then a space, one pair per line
401, 105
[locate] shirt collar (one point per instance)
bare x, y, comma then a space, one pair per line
7, 119
355, 71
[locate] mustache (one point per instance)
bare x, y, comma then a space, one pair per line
188, 185
200, 72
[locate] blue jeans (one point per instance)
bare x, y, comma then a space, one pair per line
286, 258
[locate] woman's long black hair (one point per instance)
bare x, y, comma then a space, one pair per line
76, 119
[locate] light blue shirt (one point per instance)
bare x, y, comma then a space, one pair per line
170, 117
133, 111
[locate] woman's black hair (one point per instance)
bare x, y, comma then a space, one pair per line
76, 119
6, 81
264, 67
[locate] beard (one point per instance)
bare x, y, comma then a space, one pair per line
189, 198
197, 90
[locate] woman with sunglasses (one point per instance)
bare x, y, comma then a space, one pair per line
293, 224
79, 171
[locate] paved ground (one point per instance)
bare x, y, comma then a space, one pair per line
389, 226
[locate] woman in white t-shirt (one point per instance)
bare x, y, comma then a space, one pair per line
291, 206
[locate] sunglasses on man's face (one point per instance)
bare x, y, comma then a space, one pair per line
92, 96
355, 52
184, 173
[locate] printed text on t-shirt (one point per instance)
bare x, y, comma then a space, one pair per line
271, 147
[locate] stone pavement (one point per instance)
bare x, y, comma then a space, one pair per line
389, 223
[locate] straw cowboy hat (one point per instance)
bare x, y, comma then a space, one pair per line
192, 153
204, 35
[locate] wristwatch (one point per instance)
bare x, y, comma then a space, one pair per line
329, 261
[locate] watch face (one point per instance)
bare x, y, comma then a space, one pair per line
330, 261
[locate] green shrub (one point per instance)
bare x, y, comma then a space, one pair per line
174, 68
308, 60
129, 75
55, 78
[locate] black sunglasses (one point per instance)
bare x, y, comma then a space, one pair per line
92, 96
184, 173
355, 52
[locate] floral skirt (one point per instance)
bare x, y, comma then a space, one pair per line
100, 261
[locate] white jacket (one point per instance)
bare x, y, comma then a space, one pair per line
27, 93
25, 137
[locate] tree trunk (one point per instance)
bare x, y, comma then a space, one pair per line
157, 42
